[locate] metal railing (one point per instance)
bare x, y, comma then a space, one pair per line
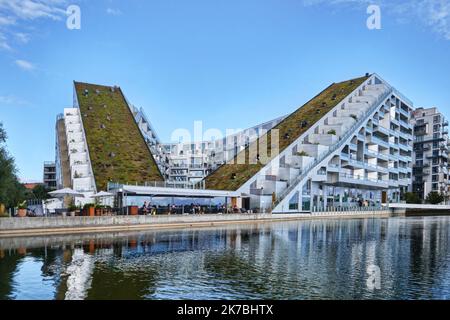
360, 178
345, 209
343, 140
159, 184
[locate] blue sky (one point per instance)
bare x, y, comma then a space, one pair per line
231, 64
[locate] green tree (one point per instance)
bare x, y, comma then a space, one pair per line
412, 197
11, 190
40, 192
434, 198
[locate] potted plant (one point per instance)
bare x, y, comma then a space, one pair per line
332, 132
89, 209
107, 210
72, 210
22, 209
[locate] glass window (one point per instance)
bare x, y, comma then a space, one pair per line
293, 203
306, 203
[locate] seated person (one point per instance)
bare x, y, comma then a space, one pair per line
144, 208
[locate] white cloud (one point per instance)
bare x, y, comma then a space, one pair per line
22, 37
11, 100
33, 9
14, 13
4, 43
113, 12
25, 65
434, 14
6, 21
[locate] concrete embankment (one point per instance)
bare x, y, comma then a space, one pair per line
71, 225
414, 210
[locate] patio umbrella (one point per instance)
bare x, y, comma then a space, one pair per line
101, 195
66, 192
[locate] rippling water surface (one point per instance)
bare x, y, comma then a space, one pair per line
322, 259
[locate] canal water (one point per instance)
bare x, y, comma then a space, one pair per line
396, 258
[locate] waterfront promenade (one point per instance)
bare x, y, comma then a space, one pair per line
68, 225
74, 225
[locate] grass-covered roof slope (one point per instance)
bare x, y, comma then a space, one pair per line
117, 148
231, 176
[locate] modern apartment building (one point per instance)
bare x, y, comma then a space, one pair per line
349, 144
191, 162
99, 141
49, 176
430, 158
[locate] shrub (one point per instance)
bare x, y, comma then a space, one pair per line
434, 198
412, 198
333, 132
72, 208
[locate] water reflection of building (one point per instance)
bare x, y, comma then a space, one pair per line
308, 259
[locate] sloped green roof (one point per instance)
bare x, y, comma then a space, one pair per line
231, 176
117, 149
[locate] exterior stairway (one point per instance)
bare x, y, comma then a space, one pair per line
361, 109
241, 175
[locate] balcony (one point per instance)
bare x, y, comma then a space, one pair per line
383, 130
404, 112
428, 138
393, 169
404, 170
393, 183
404, 158
357, 179
403, 146
405, 124
395, 121
379, 141
377, 154
353, 146
333, 167
404, 182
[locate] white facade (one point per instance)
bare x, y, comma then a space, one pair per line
360, 151
430, 157
191, 162
80, 165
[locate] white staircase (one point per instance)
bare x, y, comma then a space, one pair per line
363, 112
81, 170
280, 181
